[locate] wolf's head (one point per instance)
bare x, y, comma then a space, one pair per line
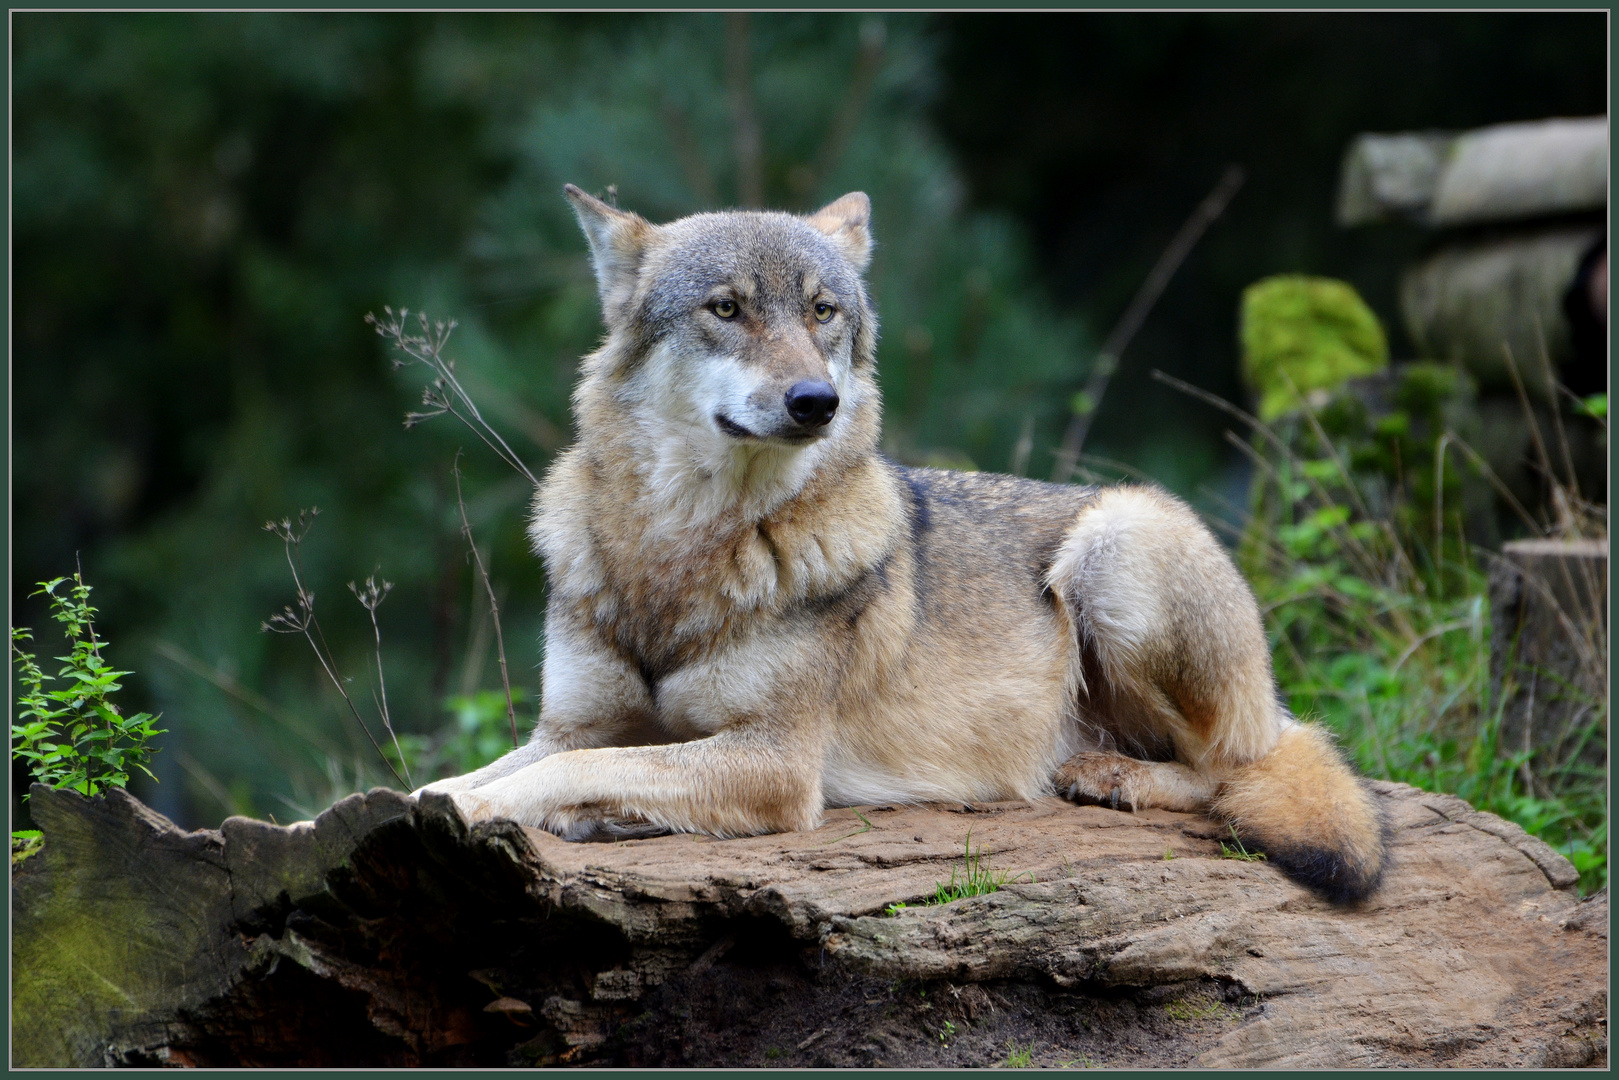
740, 344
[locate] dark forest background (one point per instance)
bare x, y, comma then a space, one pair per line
206, 206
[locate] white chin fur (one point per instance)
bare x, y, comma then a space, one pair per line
692, 468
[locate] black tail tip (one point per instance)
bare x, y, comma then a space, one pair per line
1329, 874
1342, 873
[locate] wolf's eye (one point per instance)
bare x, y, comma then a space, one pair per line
725, 309
823, 311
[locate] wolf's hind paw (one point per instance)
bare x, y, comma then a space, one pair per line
1102, 779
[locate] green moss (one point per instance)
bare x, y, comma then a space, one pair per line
1196, 1009
110, 927
1306, 333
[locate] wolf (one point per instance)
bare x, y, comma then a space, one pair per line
755, 615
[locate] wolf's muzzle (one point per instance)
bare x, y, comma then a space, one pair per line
812, 402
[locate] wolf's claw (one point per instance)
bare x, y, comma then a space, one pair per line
1104, 779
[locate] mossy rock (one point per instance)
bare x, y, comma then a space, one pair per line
1301, 334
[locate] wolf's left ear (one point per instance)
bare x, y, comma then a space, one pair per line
617, 238
846, 221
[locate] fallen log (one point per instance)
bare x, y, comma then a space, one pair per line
1507, 172
1472, 297
387, 933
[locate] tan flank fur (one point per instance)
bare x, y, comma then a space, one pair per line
754, 615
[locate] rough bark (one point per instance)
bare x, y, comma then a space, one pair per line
387, 933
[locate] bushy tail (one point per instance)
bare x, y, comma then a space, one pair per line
1305, 808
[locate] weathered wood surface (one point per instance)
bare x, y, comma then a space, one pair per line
387, 933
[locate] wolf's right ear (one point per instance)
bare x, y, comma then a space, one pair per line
847, 222
618, 239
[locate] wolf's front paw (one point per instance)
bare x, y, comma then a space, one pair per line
607, 830
1105, 779
482, 805
473, 808
449, 785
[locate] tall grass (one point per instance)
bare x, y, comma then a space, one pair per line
1378, 614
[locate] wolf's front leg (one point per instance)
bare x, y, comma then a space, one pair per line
590, 697
740, 782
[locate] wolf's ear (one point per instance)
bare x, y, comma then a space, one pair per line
845, 221
617, 238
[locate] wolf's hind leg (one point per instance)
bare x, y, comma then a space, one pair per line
1174, 650
1125, 783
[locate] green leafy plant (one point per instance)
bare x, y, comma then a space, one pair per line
969, 878
1387, 640
25, 843
71, 735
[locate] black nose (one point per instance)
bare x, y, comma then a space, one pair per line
812, 402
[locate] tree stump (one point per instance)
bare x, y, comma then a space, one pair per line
388, 933
1549, 649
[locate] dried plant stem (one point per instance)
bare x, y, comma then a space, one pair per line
445, 392
1107, 360
1557, 417
1024, 447
1495, 481
1439, 508
1529, 415
747, 141
494, 605
301, 620
370, 598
